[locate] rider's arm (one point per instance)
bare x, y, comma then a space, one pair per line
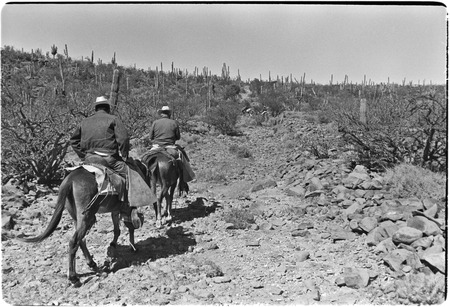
177, 132
75, 142
122, 138
152, 132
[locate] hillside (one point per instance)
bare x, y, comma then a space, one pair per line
265, 222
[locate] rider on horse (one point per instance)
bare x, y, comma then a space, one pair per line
165, 132
103, 139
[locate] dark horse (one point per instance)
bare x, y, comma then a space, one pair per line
165, 172
75, 193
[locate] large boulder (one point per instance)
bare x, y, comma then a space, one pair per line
263, 184
406, 235
368, 223
435, 260
428, 227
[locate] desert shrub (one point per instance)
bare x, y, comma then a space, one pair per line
240, 151
224, 117
314, 103
241, 218
323, 118
420, 289
214, 174
311, 118
36, 125
408, 180
320, 142
292, 212
190, 138
274, 102
400, 127
231, 92
136, 113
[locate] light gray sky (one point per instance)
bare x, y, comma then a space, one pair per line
380, 42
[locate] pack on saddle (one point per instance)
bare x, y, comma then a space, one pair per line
177, 156
131, 191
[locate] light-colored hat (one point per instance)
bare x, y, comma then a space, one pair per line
165, 109
101, 100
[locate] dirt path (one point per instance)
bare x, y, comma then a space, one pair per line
294, 250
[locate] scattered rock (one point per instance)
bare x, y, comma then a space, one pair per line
437, 261
221, 279
368, 223
300, 233
274, 290
301, 256
429, 228
356, 278
406, 235
7, 221
343, 235
263, 184
297, 191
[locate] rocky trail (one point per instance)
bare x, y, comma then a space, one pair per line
265, 223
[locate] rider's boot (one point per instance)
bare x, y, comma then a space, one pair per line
135, 218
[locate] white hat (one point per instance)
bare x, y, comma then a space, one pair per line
101, 100
164, 109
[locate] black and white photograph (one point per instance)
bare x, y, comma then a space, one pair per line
224, 153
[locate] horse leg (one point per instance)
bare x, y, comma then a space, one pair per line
90, 261
157, 204
163, 196
131, 232
115, 216
84, 223
169, 201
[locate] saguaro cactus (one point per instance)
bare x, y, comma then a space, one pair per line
54, 50
113, 98
363, 111
66, 51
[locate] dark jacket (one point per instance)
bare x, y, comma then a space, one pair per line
101, 132
164, 131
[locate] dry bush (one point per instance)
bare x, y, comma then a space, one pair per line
214, 174
421, 289
274, 102
224, 117
403, 125
240, 151
408, 180
320, 142
241, 218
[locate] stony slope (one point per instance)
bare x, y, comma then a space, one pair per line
321, 231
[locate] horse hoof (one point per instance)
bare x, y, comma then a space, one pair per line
158, 224
93, 266
75, 281
111, 251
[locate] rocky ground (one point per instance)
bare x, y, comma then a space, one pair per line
265, 223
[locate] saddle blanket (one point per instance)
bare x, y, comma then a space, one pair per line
105, 187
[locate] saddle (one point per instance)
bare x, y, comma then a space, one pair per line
108, 181
111, 183
172, 152
176, 155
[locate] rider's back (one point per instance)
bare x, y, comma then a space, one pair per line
101, 133
165, 131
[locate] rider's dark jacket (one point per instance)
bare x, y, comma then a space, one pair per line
102, 133
164, 131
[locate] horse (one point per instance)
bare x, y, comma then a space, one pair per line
75, 194
165, 172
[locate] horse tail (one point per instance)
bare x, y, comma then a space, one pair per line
64, 191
